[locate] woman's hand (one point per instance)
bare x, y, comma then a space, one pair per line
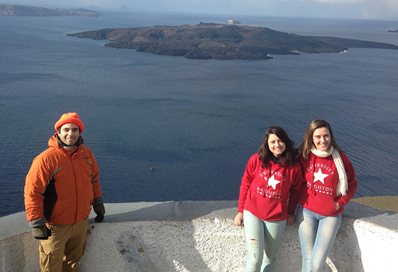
238, 221
336, 205
291, 219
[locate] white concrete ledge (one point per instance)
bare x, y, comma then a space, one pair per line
200, 236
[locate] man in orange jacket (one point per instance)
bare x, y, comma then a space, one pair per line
61, 186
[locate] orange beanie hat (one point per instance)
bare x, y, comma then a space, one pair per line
69, 117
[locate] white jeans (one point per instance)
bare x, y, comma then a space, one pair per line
317, 234
263, 239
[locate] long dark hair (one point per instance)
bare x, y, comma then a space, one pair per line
307, 143
288, 156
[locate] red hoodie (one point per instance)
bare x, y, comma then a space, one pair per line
270, 193
321, 177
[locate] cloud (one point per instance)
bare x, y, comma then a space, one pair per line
338, 2
392, 4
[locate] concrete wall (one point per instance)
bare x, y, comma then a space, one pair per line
368, 241
200, 236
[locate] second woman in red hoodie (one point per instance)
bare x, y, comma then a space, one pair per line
330, 183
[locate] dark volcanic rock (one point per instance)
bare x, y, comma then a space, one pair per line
221, 41
18, 10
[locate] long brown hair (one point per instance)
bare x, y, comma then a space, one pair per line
287, 157
307, 143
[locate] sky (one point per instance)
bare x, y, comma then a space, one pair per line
349, 9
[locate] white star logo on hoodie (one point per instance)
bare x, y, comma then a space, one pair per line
273, 182
319, 176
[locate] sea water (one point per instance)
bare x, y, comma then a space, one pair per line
169, 128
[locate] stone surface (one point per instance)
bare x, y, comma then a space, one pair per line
200, 236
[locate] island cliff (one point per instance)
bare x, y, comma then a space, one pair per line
222, 41
19, 10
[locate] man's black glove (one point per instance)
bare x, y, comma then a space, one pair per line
41, 233
99, 209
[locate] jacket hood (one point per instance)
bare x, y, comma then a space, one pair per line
52, 142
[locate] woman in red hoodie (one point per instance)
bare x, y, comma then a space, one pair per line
330, 184
268, 197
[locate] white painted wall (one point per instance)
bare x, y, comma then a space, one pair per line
200, 236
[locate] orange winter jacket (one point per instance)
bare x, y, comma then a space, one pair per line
62, 183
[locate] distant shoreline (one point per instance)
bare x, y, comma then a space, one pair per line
20, 10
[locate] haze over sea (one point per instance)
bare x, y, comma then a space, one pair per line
168, 128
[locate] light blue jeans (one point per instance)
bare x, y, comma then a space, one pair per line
317, 234
263, 240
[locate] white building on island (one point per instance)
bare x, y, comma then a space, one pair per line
232, 22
